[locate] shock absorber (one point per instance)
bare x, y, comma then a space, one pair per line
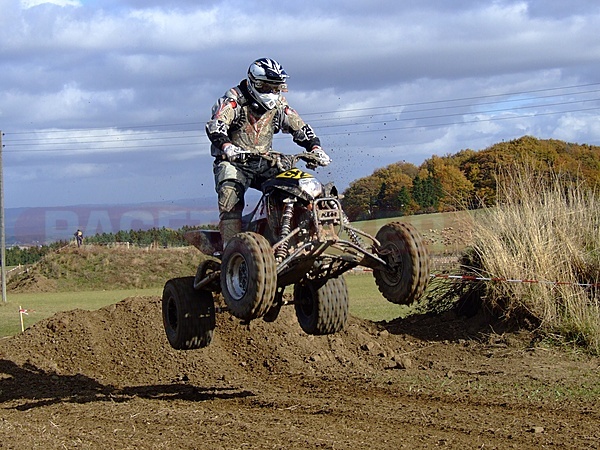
286, 228
355, 238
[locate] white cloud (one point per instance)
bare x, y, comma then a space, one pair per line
32, 3
129, 84
577, 128
81, 170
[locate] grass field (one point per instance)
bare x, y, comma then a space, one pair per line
43, 305
460, 221
81, 275
365, 302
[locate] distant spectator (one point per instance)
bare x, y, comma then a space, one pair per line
79, 236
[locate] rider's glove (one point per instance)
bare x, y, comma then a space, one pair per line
323, 157
234, 153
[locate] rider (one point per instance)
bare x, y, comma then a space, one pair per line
241, 131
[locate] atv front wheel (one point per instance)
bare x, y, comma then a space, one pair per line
188, 314
408, 273
248, 275
322, 307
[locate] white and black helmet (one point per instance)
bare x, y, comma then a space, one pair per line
266, 81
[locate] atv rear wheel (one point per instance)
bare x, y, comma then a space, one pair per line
188, 314
322, 307
248, 275
404, 251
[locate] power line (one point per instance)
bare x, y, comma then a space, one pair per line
480, 97
104, 135
441, 116
402, 105
82, 141
437, 108
377, 130
347, 132
129, 127
87, 149
67, 138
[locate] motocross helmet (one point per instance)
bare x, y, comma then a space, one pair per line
266, 81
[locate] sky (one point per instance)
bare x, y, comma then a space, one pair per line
105, 101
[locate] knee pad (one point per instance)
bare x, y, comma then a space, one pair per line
231, 198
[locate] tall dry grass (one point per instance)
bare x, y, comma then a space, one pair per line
544, 229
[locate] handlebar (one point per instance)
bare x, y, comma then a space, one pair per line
286, 162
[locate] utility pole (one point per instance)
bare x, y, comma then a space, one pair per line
2, 229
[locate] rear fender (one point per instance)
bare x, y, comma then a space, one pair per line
208, 242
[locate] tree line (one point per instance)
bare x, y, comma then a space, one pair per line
160, 237
16, 256
464, 180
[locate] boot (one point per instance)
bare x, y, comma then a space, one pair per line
229, 228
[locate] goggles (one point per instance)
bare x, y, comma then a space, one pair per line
270, 88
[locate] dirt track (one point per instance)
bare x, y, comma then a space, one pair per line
108, 379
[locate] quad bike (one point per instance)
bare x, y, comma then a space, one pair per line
297, 235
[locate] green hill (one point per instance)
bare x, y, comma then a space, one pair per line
94, 267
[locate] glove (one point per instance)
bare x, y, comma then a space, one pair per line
234, 153
323, 158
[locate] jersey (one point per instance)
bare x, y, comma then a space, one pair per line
236, 118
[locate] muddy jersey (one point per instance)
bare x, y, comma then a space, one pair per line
235, 119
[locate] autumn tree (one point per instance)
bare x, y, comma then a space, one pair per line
360, 198
467, 178
456, 189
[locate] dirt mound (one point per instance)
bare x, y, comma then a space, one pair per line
124, 344
32, 282
108, 379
